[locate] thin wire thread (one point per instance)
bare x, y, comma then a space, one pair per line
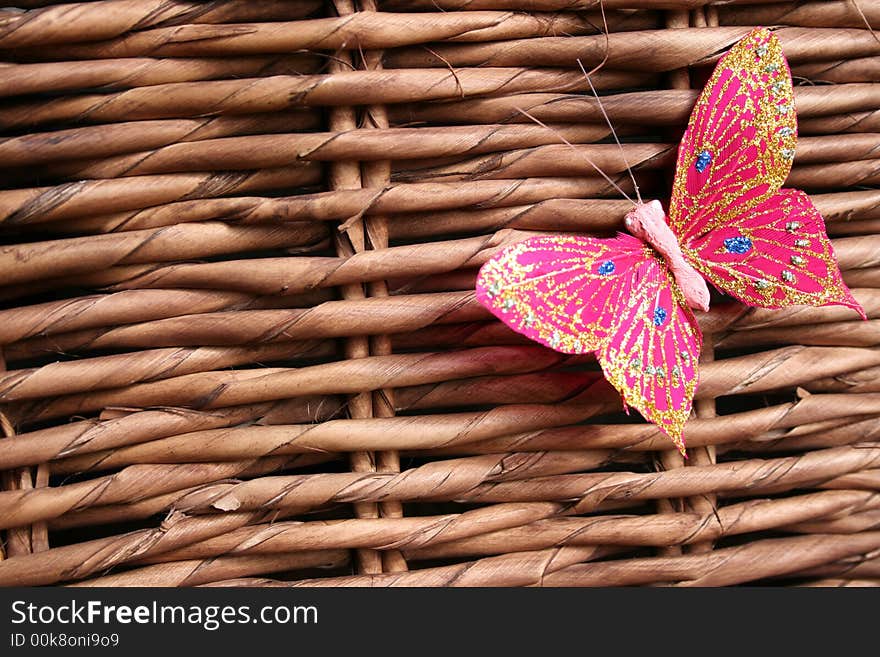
613, 131
569, 144
865, 19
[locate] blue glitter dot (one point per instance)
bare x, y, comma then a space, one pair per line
659, 316
703, 160
738, 244
606, 268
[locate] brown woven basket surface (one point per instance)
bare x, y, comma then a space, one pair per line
239, 342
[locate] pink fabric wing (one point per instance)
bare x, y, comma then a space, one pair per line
615, 297
653, 353
739, 143
775, 255
561, 291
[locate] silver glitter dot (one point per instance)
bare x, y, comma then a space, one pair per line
785, 131
508, 304
762, 284
787, 276
493, 289
778, 86
530, 318
797, 260
787, 153
635, 363
660, 373
792, 226
802, 243
761, 50
785, 108
650, 370
555, 338
685, 357
676, 371
771, 68
578, 345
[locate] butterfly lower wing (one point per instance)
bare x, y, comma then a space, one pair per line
774, 255
652, 355
740, 140
560, 291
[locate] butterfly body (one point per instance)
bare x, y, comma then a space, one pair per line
648, 222
629, 299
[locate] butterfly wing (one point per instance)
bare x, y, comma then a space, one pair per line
774, 255
561, 291
615, 297
767, 247
739, 143
652, 354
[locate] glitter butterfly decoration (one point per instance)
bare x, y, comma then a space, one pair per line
629, 298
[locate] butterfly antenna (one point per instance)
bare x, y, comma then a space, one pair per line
613, 132
577, 152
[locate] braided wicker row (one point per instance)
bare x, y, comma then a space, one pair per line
239, 339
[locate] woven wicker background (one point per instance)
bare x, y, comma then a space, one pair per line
239, 340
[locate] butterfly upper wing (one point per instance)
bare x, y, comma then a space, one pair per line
739, 143
766, 246
580, 294
561, 291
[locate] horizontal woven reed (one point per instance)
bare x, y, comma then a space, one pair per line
238, 335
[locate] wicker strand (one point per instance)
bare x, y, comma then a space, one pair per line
94, 21
733, 565
418, 536
377, 174
347, 175
17, 540
704, 408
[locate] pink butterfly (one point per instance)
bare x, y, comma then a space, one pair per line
629, 298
